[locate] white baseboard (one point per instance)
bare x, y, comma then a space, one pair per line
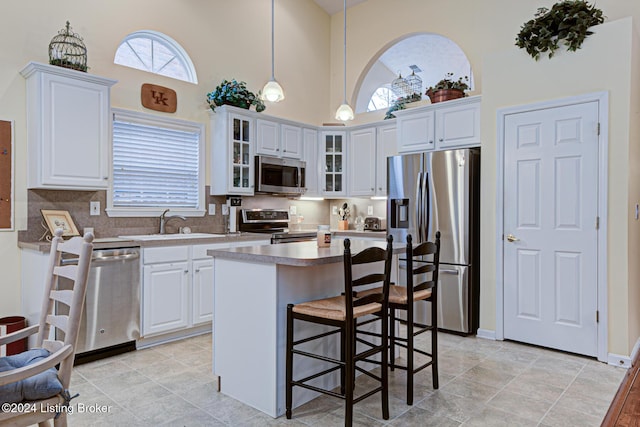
624, 361
486, 334
174, 336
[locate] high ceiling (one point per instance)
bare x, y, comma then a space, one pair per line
333, 6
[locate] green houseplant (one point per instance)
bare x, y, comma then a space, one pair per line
401, 104
448, 88
567, 21
234, 93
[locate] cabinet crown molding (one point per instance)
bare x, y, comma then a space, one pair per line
33, 67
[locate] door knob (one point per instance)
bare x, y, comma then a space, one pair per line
511, 238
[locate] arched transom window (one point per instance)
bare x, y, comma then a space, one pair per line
156, 53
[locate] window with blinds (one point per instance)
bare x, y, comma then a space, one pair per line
157, 163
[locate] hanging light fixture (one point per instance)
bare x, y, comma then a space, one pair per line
344, 111
272, 91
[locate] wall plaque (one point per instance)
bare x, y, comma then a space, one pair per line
159, 98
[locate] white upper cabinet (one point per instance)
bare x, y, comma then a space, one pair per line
232, 147
450, 124
332, 155
386, 145
310, 156
458, 126
362, 162
68, 128
278, 139
291, 141
267, 138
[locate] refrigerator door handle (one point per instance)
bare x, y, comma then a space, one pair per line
419, 207
425, 207
448, 271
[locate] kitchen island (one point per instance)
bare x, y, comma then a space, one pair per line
252, 287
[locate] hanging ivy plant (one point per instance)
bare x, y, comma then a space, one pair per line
567, 21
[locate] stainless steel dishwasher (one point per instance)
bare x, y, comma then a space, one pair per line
111, 315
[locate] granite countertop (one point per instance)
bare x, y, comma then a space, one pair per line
121, 242
299, 253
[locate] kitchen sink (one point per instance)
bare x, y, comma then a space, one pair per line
176, 236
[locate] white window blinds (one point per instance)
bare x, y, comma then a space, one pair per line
156, 163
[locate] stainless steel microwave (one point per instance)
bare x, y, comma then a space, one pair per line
280, 176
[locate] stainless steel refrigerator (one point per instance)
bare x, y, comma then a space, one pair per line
440, 191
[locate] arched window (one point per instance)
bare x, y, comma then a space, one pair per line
430, 56
381, 99
156, 53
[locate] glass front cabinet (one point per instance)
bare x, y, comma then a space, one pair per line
333, 148
232, 152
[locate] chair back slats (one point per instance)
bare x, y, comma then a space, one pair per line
369, 255
426, 268
68, 271
52, 345
74, 246
60, 322
368, 279
368, 299
426, 248
64, 297
424, 285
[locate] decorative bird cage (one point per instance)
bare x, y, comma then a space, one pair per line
415, 84
67, 49
407, 87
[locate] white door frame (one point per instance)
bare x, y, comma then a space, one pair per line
603, 118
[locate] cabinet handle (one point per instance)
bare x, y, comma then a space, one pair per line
379, 188
430, 142
277, 149
105, 178
441, 140
197, 270
372, 189
186, 271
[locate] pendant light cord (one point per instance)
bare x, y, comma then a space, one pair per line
345, 52
273, 75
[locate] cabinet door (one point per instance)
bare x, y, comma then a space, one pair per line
202, 286
362, 162
416, 131
291, 141
386, 145
165, 297
267, 138
333, 153
458, 126
310, 156
242, 167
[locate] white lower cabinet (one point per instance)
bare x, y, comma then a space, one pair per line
177, 286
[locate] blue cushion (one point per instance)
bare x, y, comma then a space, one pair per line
42, 386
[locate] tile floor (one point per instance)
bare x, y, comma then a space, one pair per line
482, 383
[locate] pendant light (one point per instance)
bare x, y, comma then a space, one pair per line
344, 111
272, 91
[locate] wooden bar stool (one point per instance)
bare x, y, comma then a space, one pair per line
402, 298
344, 314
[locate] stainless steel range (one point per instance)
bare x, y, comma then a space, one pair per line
274, 222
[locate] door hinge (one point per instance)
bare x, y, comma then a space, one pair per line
597, 316
597, 223
598, 128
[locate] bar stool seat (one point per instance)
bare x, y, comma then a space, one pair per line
398, 294
334, 308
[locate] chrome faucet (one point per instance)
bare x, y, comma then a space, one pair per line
164, 219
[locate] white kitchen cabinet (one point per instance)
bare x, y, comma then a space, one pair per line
202, 295
362, 162
416, 131
278, 139
332, 154
68, 128
267, 138
291, 141
232, 151
165, 288
450, 124
310, 156
458, 125
386, 145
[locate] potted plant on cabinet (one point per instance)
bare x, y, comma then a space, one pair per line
234, 93
448, 88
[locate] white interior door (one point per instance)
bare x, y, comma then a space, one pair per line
550, 227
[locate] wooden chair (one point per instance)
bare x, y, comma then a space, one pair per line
60, 352
404, 297
344, 313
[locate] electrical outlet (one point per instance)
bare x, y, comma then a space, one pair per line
369, 210
334, 210
225, 209
94, 208
293, 210
212, 208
